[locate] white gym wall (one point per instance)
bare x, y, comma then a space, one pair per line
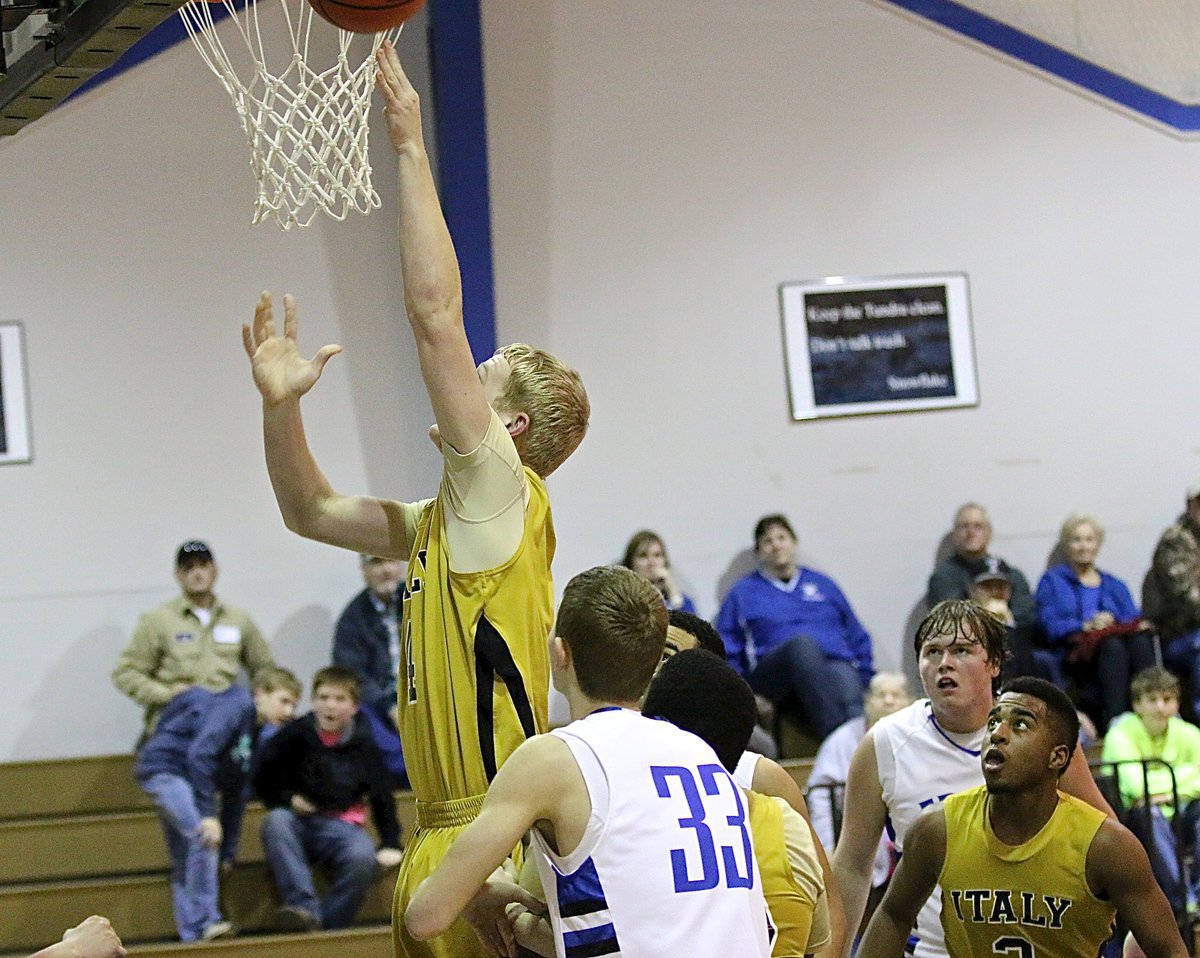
655, 174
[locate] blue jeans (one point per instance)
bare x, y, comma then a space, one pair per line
292, 842
1161, 836
1182, 656
194, 882
829, 691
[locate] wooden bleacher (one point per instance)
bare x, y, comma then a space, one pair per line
78, 837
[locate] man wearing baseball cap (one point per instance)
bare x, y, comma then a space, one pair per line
1171, 593
193, 640
992, 588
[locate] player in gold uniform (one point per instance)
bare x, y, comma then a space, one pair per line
1025, 870
479, 602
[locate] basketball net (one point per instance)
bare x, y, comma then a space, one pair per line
307, 130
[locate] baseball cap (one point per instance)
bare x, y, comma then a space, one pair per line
191, 550
992, 572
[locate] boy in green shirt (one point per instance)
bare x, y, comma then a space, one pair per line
1154, 730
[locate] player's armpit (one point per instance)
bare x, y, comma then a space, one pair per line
525, 791
1117, 868
861, 827
909, 889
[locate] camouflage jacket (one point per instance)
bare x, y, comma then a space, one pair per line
1176, 579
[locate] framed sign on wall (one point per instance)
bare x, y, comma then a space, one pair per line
16, 444
878, 344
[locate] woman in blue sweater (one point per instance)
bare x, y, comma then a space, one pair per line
1090, 617
791, 632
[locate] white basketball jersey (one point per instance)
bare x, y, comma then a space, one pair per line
743, 773
666, 865
920, 764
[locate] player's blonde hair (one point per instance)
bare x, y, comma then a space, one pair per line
552, 395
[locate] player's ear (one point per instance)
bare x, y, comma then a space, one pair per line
518, 424
560, 653
1060, 757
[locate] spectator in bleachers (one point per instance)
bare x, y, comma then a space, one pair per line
887, 693
1172, 594
993, 589
1154, 730
316, 776
203, 744
367, 641
193, 640
792, 634
91, 938
952, 578
646, 554
1092, 622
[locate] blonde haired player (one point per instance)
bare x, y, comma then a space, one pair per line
639, 834
1024, 869
478, 605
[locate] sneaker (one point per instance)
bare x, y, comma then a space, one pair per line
218, 930
294, 918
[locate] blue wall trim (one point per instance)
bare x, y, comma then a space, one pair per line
456, 63
1000, 36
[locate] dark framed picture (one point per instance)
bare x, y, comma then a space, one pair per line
878, 344
16, 443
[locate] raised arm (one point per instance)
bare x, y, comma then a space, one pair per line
862, 825
1118, 868
909, 889
307, 501
432, 286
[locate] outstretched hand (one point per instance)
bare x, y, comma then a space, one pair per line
401, 104
280, 372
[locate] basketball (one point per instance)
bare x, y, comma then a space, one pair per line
366, 16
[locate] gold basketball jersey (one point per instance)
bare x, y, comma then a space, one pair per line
474, 665
1024, 900
790, 903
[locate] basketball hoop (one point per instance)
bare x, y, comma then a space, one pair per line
307, 129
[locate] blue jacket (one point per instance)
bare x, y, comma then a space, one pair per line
1060, 601
207, 738
756, 617
361, 644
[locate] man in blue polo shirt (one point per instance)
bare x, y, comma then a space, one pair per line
791, 632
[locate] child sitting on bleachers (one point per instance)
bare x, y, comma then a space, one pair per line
315, 776
1154, 730
204, 743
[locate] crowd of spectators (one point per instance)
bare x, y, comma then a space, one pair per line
793, 633
210, 743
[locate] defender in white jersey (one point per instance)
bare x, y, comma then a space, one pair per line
918, 756
640, 835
